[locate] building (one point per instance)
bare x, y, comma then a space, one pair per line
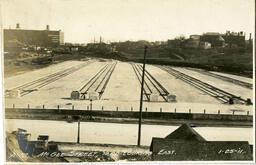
204, 45
185, 144
190, 43
195, 37
234, 39
174, 43
43, 38
193, 41
215, 39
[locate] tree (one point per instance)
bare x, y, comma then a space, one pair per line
180, 37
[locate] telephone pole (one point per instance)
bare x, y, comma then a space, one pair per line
78, 131
141, 95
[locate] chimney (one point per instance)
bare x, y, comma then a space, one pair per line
17, 26
47, 27
250, 36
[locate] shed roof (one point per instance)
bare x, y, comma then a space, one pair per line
212, 33
185, 132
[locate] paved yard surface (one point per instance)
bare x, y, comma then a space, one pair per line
123, 90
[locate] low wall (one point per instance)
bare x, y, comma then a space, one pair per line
62, 113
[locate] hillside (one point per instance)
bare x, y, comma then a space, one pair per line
231, 60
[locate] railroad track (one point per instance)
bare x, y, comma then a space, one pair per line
228, 79
152, 86
35, 85
217, 93
99, 81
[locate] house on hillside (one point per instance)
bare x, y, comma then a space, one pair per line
193, 41
190, 43
205, 45
215, 39
234, 39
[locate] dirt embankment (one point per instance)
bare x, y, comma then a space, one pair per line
238, 61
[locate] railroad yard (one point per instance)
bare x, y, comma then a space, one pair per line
117, 82
97, 102
115, 85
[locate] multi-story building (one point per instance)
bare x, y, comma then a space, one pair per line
43, 38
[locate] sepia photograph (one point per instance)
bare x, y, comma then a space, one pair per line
128, 81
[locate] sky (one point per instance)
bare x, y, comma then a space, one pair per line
121, 20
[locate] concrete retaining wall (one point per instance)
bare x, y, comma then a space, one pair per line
124, 114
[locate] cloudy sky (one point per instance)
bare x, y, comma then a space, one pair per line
114, 20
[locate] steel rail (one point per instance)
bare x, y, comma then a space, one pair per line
148, 99
224, 78
155, 86
41, 82
46, 77
106, 82
140, 75
96, 76
207, 88
109, 71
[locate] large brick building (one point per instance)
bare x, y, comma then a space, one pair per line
43, 38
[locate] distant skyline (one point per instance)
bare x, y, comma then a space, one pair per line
121, 20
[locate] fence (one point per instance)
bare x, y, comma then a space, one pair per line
65, 114
146, 109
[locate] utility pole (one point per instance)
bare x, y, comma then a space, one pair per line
77, 118
78, 133
141, 95
90, 104
90, 108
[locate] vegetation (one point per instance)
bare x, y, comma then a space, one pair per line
234, 60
